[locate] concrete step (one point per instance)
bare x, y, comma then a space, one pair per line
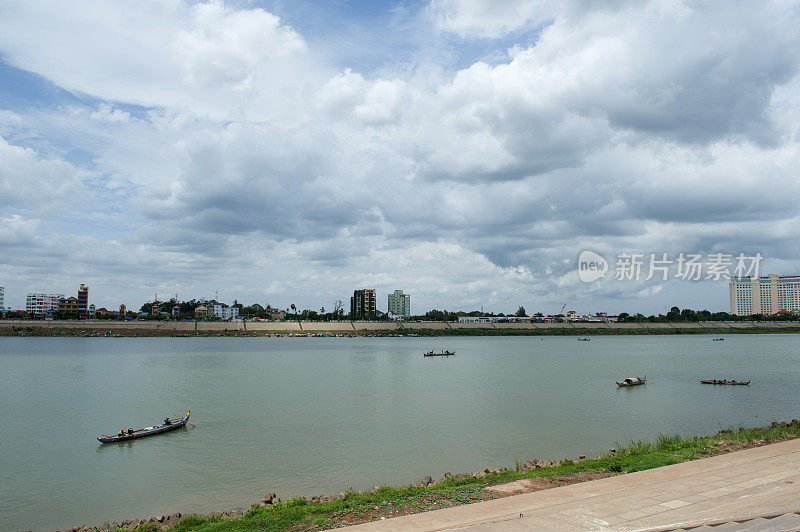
733, 526
782, 523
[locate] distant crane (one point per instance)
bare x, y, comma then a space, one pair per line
562, 308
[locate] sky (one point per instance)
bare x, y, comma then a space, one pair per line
464, 151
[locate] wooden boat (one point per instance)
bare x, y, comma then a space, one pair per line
147, 431
718, 339
726, 381
632, 381
444, 353
584, 339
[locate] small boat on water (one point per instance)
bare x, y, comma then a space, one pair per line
444, 353
730, 382
632, 381
131, 434
584, 339
718, 339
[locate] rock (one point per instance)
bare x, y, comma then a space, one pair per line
341, 495
582, 457
487, 471
795, 422
270, 498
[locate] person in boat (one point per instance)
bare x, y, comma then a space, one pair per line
130, 430
167, 421
121, 432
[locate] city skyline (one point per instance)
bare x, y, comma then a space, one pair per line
289, 153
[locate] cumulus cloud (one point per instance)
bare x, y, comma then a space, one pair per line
32, 183
656, 126
487, 19
207, 56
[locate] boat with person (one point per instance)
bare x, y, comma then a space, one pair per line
729, 382
632, 381
443, 353
131, 434
718, 339
584, 339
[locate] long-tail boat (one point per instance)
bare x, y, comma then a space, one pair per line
444, 353
726, 381
632, 381
131, 434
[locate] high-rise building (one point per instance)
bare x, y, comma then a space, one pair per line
83, 302
2, 297
362, 304
42, 305
400, 304
764, 295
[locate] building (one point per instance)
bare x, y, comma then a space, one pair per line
201, 311
275, 313
123, 310
362, 304
2, 297
400, 304
83, 302
42, 305
766, 295
223, 311
493, 319
69, 304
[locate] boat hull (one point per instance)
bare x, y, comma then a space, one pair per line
726, 383
144, 433
632, 382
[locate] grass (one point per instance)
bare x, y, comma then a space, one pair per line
300, 514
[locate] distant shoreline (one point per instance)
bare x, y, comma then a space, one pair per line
102, 328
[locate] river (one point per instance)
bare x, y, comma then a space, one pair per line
314, 416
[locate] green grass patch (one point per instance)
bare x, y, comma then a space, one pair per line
463, 489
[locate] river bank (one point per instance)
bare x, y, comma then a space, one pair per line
100, 328
348, 508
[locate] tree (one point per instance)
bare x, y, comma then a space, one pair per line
521, 312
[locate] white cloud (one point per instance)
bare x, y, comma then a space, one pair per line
30, 182
657, 127
208, 56
488, 18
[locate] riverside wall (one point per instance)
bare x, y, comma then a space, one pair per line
365, 327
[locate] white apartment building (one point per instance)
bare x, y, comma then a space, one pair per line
400, 304
764, 295
223, 311
42, 305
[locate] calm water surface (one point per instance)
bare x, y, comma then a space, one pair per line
312, 416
